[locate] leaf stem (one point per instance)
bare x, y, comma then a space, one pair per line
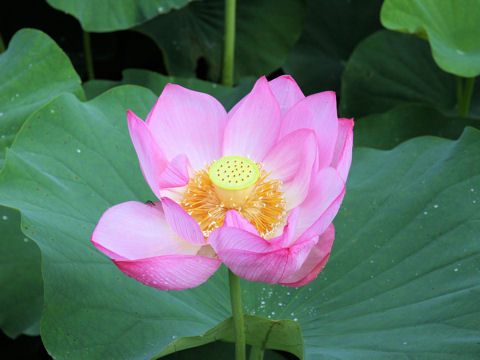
459, 92
88, 55
256, 353
464, 95
236, 300
2, 44
229, 43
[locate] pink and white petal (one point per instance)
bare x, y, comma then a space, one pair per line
291, 160
133, 230
252, 129
182, 223
255, 259
342, 155
188, 122
152, 160
234, 219
286, 91
176, 174
321, 205
225, 238
171, 272
314, 263
319, 113
289, 230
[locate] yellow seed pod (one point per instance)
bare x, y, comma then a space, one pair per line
234, 173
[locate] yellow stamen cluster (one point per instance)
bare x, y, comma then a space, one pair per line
259, 201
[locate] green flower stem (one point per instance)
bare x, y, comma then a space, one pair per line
88, 55
229, 43
256, 353
236, 300
2, 44
464, 95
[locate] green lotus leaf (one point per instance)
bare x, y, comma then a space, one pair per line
33, 70
451, 27
21, 298
112, 15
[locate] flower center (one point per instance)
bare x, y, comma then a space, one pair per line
237, 183
234, 178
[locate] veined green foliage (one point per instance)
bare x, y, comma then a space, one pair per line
112, 15
451, 27
33, 71
21, 298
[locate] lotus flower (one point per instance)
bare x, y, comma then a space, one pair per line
256, 188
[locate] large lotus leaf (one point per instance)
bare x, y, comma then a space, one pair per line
451, 26
331, 32
111, 15
388, 69
387, 130
21, 281
228, 96
192, 38
402, 279
33, 70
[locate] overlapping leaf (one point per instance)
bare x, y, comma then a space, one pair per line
192, 38
451, 27
402, 279
111, 15
33, 71
21, 298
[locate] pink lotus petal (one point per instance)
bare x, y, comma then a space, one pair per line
315, 262
175, 174
291, 160
133, 230
172, 272
321, 204
182, 223
188, 122
152, 160
255, 259
234, 219
253, 127
289, 230
317, 112
286, 91
342, 155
